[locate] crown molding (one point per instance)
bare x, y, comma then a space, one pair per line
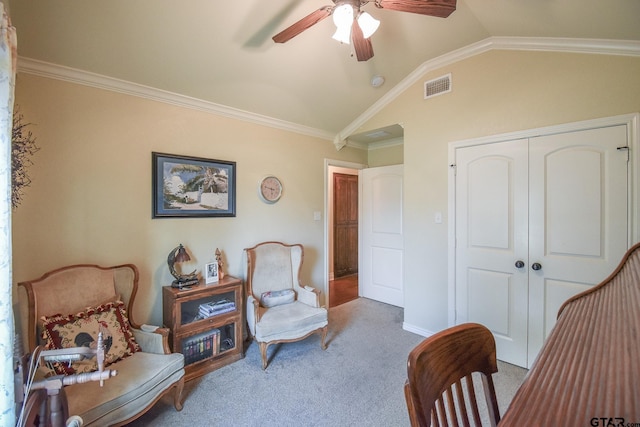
374, 145
72, 75
357, 145
386, 143
591, 46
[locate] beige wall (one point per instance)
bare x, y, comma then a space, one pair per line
386, 156
90, 200
493, 93
91, 194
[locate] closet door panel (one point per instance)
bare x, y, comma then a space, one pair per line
491, 236
578, 228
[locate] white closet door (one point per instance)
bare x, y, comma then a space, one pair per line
537, 221
491, 236
578, 209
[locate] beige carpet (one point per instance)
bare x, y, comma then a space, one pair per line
357, 381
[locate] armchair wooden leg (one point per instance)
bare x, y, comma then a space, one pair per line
323, 345
263, 353
177, 397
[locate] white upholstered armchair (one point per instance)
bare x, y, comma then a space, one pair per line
279, 308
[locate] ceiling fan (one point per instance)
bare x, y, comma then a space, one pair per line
358, 26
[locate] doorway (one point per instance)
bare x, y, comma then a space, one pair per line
345, 225
381, 145
344, 286
342, 212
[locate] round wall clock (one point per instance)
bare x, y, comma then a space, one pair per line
270, 189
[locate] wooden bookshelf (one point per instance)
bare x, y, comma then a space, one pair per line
211, 338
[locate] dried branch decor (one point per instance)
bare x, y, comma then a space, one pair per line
23, 146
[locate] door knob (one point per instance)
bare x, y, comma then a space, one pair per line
519, 264
536, 266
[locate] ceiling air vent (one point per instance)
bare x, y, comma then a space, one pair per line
437, 86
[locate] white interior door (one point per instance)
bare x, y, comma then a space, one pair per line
491, 236
578, 209
381, 256
537, 221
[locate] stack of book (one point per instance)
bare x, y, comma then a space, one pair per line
201, 346
213, 308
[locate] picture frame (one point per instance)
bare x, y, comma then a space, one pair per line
186, 186
211, 273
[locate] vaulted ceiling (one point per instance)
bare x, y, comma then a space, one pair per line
221, 52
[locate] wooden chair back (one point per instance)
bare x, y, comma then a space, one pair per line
437, 369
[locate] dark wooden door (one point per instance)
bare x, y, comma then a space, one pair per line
345, 224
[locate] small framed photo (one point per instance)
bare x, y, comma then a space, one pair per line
211, 272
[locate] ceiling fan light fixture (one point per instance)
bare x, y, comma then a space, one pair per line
343, 35
368, 24
343, 19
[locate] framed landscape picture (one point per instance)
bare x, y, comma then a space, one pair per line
185, 186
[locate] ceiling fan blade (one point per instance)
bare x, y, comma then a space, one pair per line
439, 8
362, 46
306, 22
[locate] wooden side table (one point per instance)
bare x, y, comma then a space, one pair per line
206, 323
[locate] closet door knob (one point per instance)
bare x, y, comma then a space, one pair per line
536, 266
519, 264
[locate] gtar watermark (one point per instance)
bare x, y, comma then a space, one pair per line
612, 422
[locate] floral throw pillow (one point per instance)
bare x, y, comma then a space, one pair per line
81, 329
